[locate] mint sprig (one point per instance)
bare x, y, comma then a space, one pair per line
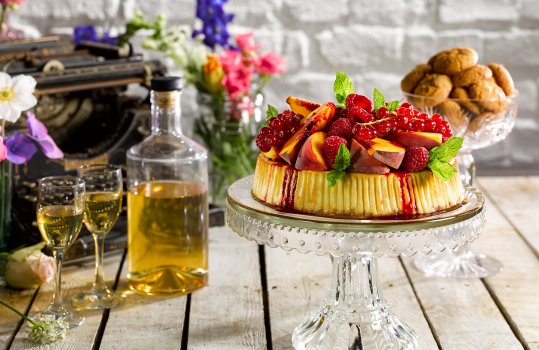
271, 113
342, 162
379, 101
440, 156
342, 87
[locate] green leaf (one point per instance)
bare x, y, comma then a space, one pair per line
443, 170
271, 113
440, 156
393, 105
378, 99
342, 162
447, 150
334, 176
343, 87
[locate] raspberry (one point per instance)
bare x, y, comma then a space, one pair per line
331, 148
415, 159
341, 127
340, 113
360, 115
358, 101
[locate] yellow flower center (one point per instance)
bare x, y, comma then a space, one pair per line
6, 94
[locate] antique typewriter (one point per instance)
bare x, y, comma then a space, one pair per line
94, 100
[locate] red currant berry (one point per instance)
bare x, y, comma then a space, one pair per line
363, 133
406, 105
383, 126
430, 125
275, 123
417, 125
402, 121
437, 117
382, 112
423, 116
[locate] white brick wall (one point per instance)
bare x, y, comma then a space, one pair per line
376, 42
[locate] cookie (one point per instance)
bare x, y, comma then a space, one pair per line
455, 115
409, 82
471, 75
503, 78
488, 95
454, 61
433, 58
436, 87
464, 100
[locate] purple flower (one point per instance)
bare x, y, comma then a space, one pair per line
214, 23
108, 39
84, 33
20, 149
39, 133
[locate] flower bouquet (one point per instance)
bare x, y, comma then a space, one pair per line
229, 79
16, 96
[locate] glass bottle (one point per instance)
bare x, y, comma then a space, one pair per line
167, 202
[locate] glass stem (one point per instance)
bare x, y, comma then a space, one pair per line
467, 168
99, 242
57, 297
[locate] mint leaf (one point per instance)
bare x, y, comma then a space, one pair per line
334, 176
271, 112
393, 105
342, 162
342, 87
443, 170
440, 156
378, 99
447, 150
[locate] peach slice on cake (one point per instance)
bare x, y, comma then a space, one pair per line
362, 162
272, 154
429, 140
387, 152
301, 107
316, 121
310, 155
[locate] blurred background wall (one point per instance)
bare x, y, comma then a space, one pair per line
375, 41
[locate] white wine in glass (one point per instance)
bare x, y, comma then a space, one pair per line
60, 208
104, 191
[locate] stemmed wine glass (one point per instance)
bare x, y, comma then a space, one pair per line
60, 208
104, 190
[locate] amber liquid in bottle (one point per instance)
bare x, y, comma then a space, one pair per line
167, 237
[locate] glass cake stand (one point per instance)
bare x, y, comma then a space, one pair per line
354, 315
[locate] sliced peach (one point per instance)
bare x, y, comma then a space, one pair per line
362, 162
272, 154
429, 140
301, 107
310, 155
387, 152
316, 121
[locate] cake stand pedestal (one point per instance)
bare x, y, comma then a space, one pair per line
354, 315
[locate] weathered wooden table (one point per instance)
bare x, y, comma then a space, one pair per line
257, 296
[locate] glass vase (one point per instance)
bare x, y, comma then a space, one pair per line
6, 188
228, 129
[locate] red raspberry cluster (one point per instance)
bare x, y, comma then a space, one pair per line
279, 131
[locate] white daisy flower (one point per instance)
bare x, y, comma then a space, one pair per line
16, 95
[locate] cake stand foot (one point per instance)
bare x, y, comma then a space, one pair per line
354, 315
462, 263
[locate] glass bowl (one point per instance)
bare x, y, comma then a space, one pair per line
482, 122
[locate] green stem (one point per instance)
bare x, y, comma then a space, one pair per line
3, 15
19, 313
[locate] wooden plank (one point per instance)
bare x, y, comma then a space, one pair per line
144, 322
461, 311
229, 313
516, 287
20, 300
518, 198
75, 278
298, 282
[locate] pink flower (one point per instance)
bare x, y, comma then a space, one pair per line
270, 63
231, 60
3, 150
29, 267
246, 43
237, 83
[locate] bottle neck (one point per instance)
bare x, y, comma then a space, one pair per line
166, 112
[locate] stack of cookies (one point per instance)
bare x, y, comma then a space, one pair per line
454, 85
